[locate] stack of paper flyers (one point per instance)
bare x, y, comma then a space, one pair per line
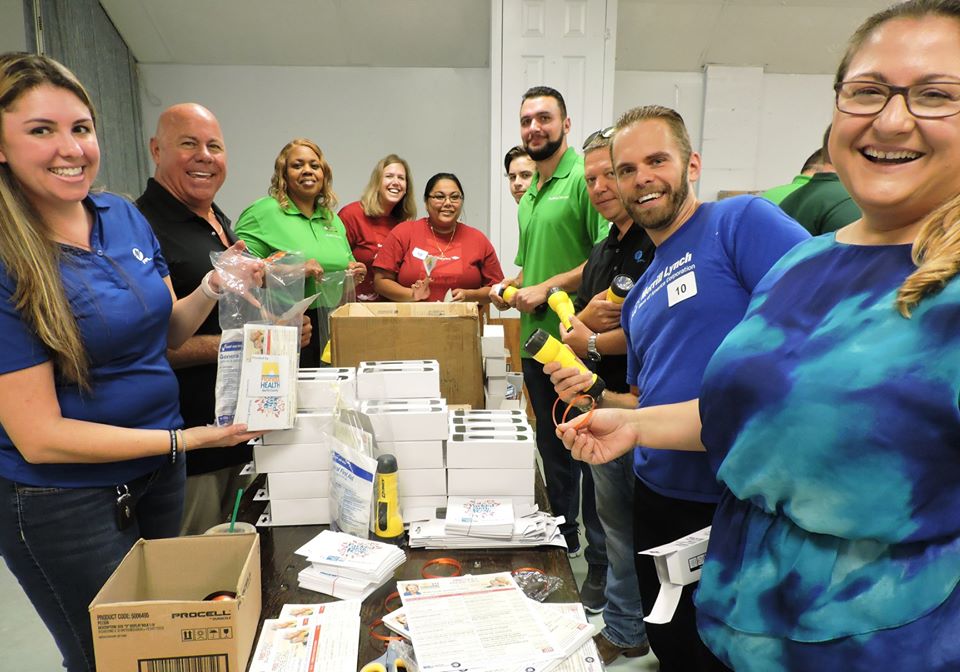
483, 524
268, 387
480, 517
485, 623
310, 638
347, 567
560, 618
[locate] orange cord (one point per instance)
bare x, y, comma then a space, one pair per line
383, 638
441, 561
584, 420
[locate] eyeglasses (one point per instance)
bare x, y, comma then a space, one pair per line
930, 100
605, 133
439, 198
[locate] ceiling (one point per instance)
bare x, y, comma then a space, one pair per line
783, 36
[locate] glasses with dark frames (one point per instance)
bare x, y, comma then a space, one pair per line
929, 100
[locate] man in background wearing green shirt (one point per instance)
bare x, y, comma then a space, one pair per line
810, 166
558, 228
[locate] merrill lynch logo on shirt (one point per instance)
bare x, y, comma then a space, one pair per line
140, 256
680, 270
559, 197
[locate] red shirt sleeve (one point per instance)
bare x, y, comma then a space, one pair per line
490, 270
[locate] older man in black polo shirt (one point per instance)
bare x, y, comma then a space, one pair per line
191, 165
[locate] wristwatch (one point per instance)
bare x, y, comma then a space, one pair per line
592, 351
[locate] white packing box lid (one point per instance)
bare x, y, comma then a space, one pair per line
311, 511
309, 427
407, 419
319, 389
298, 485
491, 342
421, 482
490, 450
288, 457
399, 379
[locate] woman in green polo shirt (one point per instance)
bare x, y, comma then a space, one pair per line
298, 216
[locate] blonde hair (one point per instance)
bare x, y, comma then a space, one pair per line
30, 256
278, 183
936, 249
936, 252
672, 118
405, 209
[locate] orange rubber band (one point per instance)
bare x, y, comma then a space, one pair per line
441, 561
383, 638
388, 599
584, 421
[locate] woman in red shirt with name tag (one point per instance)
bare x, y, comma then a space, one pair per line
424, 259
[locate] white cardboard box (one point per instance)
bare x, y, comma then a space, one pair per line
298, 485
407, 503
485, 414
495, 366
309, 427
496, 387
421, 482
491, 450
678, 564
491, 343
407, 419
294, 457
306, 511
319, 389
413, 454
400, 379
490, 482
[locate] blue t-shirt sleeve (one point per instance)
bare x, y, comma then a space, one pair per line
19, 346
762, 234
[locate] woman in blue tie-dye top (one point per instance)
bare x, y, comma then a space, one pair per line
832, 409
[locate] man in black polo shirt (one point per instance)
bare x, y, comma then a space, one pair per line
598, 340
191, 165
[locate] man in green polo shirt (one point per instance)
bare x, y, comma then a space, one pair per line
558, 228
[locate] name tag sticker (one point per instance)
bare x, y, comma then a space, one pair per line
681, 289
418, 253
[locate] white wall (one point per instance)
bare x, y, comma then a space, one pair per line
438, 119
794, 112
12, 37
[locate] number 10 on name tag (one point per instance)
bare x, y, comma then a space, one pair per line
681, 289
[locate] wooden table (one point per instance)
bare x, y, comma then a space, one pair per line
279, 567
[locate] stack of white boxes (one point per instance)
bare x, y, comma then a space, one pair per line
409, 419
494, 365
297, 461
491, 453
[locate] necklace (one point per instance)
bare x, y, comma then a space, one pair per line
436, 241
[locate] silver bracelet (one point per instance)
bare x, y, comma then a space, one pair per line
207, 289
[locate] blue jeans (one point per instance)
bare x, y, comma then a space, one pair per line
623, 615
561, 472
62, 544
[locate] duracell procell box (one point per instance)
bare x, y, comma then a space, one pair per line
155, 612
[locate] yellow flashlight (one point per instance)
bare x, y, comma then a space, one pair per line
545, 348
619, 288
560, 301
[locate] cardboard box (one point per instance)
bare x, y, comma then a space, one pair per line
485, 414
436, 501
407, 419
446, 332
492, 343
421, 482
298, 485
319, 389
495, 367
303, 511
678, 564
150, 613
310, 427
401, 379
490, 482
496, 387
291, 457
490, 450
413, 454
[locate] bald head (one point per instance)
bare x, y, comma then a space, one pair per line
190, 155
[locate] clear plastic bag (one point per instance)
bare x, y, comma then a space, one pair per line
535, 584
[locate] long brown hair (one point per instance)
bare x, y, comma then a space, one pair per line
30, 256
936, 249
278, 183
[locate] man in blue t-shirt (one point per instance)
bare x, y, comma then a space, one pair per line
709, 257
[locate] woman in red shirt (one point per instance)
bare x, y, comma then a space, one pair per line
425, 259
386, 201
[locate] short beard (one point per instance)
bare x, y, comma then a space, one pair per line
649, 221
546, 151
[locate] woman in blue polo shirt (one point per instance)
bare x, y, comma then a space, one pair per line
90, 429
